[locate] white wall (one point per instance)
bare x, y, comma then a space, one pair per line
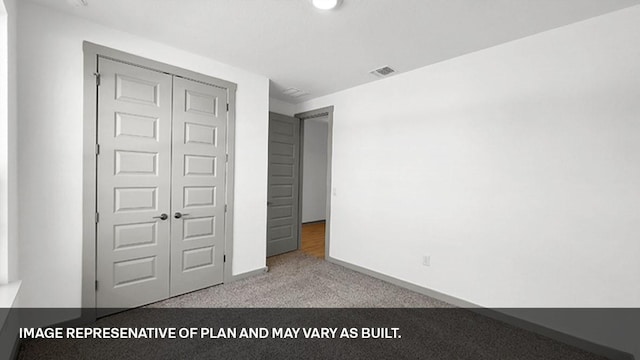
515, 168
8, 140
281, 107
50, 149
4, 147
314, 172
12, 131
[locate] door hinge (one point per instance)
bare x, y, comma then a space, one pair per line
97, 149
227, 157
225, 207
97, 218
227, 107
96, 285
97, 75
224, 258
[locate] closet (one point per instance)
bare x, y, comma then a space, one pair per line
161, 194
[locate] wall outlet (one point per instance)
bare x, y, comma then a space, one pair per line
426, 260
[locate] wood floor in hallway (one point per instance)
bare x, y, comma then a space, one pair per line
313, 239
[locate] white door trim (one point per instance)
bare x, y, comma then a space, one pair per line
91, 53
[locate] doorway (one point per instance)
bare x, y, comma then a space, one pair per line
315, 133
287, 161
161, 142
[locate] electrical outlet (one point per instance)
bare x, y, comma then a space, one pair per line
426, 260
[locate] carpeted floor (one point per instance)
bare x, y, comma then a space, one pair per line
299, 280
430, 329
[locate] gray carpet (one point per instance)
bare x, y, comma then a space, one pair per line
431, 329
298, 280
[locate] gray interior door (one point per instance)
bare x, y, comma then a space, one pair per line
283, 192
161, 191
134, 185
198, 185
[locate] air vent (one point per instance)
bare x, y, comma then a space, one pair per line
78, 3
295, 93
383, 71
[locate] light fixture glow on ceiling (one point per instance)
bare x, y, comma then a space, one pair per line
325, 4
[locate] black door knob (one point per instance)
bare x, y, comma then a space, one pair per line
178, 215
162, 217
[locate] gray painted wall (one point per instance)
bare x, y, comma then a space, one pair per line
314, 176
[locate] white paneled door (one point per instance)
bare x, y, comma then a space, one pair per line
160, 185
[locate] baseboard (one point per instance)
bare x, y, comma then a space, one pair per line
250, 274
568, 339
404, 284
608, 352
89, 316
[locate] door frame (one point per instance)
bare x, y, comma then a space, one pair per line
89, 173
307, 115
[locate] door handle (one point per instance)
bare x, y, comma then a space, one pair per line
162, 217
178, 215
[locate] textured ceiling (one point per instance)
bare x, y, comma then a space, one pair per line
322, 52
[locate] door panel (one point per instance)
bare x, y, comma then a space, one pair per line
198, 182
284, 162
134, 167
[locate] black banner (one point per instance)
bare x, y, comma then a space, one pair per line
309, 333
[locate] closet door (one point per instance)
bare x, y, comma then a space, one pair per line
198, 183
133, 186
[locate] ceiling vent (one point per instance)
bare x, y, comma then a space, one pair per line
383, 71
78, 3
295, 93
